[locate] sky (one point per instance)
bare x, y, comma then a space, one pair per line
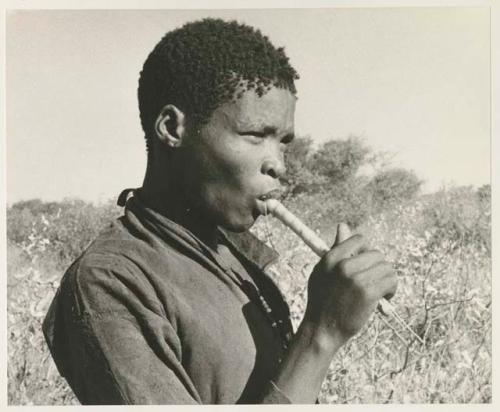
414, 82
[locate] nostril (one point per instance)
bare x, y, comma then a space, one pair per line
272, 173
270, 168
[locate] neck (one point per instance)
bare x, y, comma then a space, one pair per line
164, 190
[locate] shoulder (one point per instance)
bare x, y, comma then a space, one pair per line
111, 274
111, 252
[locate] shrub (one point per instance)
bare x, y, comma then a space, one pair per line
59, 229
393, 185
461, 215
300, 176
443, 294
340, 160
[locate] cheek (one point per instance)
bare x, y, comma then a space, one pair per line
243, 164
228, 169
246, 172
235, 167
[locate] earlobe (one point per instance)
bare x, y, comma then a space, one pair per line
169, 126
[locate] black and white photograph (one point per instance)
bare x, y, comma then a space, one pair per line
264, 205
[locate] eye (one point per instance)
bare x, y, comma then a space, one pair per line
287, 138
253, 133
253, 137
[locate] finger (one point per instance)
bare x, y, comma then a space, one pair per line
346, 249
392, 288
343, 233
379, 280
360, 262
388, 287
385, 287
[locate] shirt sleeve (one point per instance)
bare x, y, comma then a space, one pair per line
112, 341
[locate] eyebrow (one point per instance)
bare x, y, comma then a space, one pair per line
271, 130
265, 129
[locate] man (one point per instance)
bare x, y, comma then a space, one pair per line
171, 304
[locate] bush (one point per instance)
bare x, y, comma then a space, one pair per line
393, 185
330, 176
340, 160
439, 244
443, 294
300, 176
59, 229
461, 215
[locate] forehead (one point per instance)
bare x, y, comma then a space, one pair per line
275, 108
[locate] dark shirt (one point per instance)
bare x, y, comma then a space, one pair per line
151, 315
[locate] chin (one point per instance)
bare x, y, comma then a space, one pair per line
239, 225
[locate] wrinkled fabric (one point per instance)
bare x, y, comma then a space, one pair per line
150, 315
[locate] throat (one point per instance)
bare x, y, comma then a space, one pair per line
184, 214
166, 190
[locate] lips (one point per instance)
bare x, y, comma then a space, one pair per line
272, 194
261, 200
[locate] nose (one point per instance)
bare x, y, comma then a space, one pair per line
274, 167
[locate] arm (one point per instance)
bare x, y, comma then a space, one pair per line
343, 291
112, 342
115, 346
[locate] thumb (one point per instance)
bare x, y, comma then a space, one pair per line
343, 233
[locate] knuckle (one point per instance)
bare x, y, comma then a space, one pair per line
362, 292
342, 267
357, 283
386, 267
330, 259
371, 296
377, 254
358, 238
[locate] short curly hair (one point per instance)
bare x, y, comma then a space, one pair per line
206, 63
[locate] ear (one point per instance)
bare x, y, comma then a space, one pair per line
170, 126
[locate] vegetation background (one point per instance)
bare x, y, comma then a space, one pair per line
439, 243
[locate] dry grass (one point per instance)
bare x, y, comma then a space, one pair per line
32, 375
444, 295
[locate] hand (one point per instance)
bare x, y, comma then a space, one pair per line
346, 285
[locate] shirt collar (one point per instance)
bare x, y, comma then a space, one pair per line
245, 243
251, 248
